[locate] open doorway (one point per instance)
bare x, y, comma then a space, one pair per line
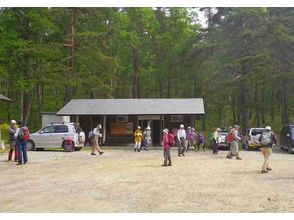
155, 126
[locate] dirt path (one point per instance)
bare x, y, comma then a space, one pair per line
124, 181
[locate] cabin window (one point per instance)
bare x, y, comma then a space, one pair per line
177, 118
122, 118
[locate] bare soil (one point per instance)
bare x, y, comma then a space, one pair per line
124, 181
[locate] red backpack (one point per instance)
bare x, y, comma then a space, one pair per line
24, 134
230, 137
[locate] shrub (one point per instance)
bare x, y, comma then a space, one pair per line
4, 132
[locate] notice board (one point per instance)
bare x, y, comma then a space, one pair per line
121, 128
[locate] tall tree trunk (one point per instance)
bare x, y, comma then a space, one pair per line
136, 79
243, 104
169, 88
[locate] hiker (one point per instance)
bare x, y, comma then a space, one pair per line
138, 138
95, 140
193, 139
187, 142
12, 141
147, 138
22, 135
200, 142
267, 140
167, 141
229, 139
215, 139
235, 142
182, 139
175, 134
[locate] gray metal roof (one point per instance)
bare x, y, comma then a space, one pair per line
4, 98
133, 106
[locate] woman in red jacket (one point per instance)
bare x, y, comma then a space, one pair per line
167, 142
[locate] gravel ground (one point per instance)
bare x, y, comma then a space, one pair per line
123, 181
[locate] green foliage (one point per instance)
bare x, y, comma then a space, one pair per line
241, 64
4, 132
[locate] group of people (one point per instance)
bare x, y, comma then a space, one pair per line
184, 139
267, 139
18, 136
142, 140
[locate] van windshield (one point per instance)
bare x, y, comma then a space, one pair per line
292, 131
255, 132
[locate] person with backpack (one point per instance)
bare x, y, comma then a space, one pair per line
234, 138
167, 141
229, 139
267, 140
193, 139
94, 136
216, 137
22, 134
12, 141
182, 140
187, 142
200, 142
138, 139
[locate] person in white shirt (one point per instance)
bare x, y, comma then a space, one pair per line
96, 135
181, 135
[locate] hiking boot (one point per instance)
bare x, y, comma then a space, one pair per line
170, 164
93, 154
101, 153
135, 150
269, 169
238, 158
139, 151
264, 171
229, 157
163, 165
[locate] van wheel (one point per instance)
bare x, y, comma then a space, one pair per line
30, 145
290, 149
68, 147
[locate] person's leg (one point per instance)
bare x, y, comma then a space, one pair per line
169, 158
214, 147
268, 154
237, 151
94, 146
15, 155
20, 154
165, 158
179, 148
24, 149
183, 147
265, 160
10, 154
139, 145
203, 146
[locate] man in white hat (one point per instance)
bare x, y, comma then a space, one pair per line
12, 141
216, 137
182, 140
235, 143
267, 140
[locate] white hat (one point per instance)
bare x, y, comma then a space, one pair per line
165, 130
189, 127
236, 126
182, 126
193, 129
268, 128
139, 127
148, 128
13, 122
218, 129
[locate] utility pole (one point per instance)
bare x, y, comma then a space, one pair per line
69, 90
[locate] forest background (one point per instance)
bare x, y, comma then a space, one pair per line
240, 63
